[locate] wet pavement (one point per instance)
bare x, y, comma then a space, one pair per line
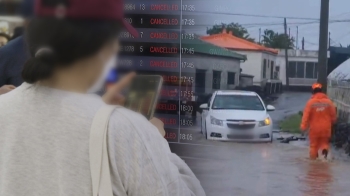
288, 104
260, 169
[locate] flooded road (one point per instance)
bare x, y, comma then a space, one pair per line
248, 169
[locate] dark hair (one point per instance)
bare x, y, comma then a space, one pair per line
17, 32
68, 41
5, 36
316, 90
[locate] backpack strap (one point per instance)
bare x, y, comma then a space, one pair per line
99, 161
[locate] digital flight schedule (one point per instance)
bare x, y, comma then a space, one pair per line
166, 46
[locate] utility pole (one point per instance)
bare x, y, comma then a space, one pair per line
297, 41
286, 54
302, 43
259, 35
289, 32
322, 50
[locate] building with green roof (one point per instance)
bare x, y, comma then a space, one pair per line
216, 68
205, 48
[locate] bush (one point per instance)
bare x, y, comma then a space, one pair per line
291, 123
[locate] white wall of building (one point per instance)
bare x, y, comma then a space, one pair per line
254, 65
224, 65
270, 58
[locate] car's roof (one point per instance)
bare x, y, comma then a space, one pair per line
236, 92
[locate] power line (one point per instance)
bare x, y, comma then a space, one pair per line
256, 15
261, 25
342, 36
310, 43
344, 13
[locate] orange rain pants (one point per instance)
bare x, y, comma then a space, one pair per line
316, 144
319, 115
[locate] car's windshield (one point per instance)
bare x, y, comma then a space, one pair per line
238, 102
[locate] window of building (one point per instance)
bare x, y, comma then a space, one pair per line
272, 69
300, 69
264, 69
292, 69
276, 73
231, 77
309, 70
277, 68
216, 80
200, 81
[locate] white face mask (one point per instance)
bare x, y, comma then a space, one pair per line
98, 86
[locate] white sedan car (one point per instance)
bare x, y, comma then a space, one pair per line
236, 116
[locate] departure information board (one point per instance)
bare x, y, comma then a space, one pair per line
166, 46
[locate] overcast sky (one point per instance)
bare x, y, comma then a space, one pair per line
339, 10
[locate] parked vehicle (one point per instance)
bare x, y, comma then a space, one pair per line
236, 116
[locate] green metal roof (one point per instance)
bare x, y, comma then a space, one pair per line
203, 47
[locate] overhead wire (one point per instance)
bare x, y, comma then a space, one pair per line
279, 25
253, 15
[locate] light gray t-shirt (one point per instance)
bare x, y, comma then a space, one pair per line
44, 148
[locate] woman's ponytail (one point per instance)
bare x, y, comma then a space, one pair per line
58, 43
40, 67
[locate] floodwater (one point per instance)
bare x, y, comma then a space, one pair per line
249, 169
275, 169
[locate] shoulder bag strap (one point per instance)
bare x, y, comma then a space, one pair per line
99, 161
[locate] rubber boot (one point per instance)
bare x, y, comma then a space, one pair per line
325, 153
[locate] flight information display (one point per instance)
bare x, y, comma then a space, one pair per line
167, 46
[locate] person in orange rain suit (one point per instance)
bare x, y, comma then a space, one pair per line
319, 115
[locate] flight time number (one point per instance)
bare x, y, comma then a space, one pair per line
187, 64
187, 50
186, 122
188, 22
189, 36
186, 137
188, 8
187, 94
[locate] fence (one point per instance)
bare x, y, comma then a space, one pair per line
339, 92
273, 87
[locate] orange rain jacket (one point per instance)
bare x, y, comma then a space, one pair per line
319, 115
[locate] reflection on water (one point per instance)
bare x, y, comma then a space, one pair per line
318, 179
276, 169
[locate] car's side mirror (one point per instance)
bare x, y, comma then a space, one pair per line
270, 108
204, 106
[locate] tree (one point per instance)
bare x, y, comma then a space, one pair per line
237, 30
273, 39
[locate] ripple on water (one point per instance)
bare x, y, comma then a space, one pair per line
317, 179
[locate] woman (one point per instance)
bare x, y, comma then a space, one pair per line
45, 123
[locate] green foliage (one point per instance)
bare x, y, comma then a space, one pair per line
237, 30
273, 39
291, 123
